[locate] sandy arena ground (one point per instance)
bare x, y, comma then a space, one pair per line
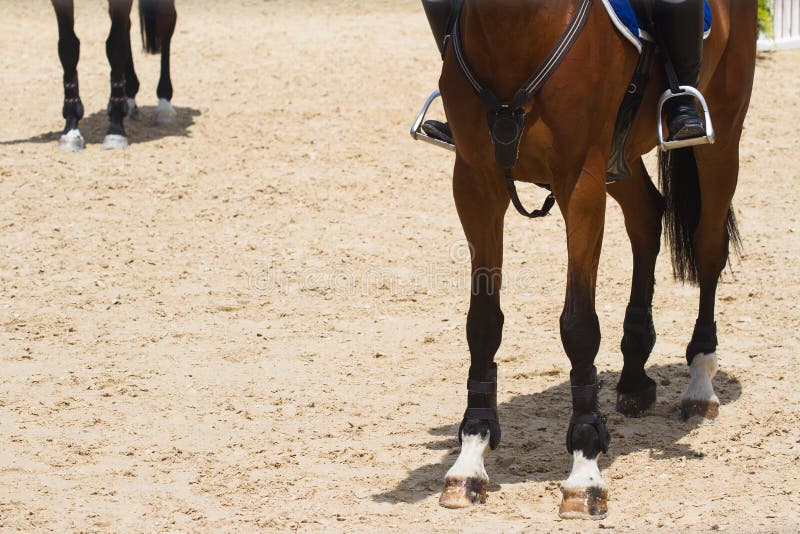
254, 319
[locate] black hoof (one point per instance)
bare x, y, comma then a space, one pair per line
635, 404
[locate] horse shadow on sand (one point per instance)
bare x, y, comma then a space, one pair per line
94, 127
534, 432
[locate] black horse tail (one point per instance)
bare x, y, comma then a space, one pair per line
148, 14
680, 185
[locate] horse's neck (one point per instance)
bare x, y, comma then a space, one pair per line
505, 40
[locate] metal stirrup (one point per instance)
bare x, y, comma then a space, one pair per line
710, 136
416, 129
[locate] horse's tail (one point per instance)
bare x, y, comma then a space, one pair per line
148, 14
680, 185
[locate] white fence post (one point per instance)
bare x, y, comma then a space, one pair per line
786, 27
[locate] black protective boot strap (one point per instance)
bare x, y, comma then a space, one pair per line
594, 419
488, 414
585, 393
585, 411
590, 418
486, 388
482, 406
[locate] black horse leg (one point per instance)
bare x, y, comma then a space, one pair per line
642, 206
118, 53
165, 27
481, 202
158, 19
69, 47
584, 492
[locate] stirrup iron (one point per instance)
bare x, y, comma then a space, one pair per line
710, 136
417, 132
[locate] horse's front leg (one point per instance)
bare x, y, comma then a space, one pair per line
584, 492
69, 48
481, 202
118, 51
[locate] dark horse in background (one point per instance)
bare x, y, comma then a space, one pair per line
157, 19
566, 142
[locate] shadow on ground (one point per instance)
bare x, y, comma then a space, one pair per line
534, 430
94, 127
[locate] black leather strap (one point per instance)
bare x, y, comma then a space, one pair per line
487, 388
594, 419
489, 414
482, 405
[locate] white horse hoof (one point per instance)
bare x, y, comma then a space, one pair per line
700, 400
115, 141
584, 503
72, 141
584, 493
466, 482
133, 110
463, 492
165, 113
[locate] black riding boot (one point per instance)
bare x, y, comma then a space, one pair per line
680, 25
440, 15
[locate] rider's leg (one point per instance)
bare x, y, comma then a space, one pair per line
440, 15
680, 24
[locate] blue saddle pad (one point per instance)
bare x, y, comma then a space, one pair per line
624, 18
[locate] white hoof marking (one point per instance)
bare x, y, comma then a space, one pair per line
585, 473
703, 369
133, 110
72, 141
469, 464
699, 398
115, 141
165, 113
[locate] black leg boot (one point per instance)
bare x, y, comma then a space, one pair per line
440, 15
680, 25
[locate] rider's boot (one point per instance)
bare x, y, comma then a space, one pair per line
440, 15
680, 24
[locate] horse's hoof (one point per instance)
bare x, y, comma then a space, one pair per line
706, 410
584, 503
637, 403
463, 492
165, 113
72, 141
700, 399
115, 141
133, 110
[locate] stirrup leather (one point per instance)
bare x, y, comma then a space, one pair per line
707, 139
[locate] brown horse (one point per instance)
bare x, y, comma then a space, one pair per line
566, 144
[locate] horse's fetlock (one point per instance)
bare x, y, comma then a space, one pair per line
704, 340
591, 438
